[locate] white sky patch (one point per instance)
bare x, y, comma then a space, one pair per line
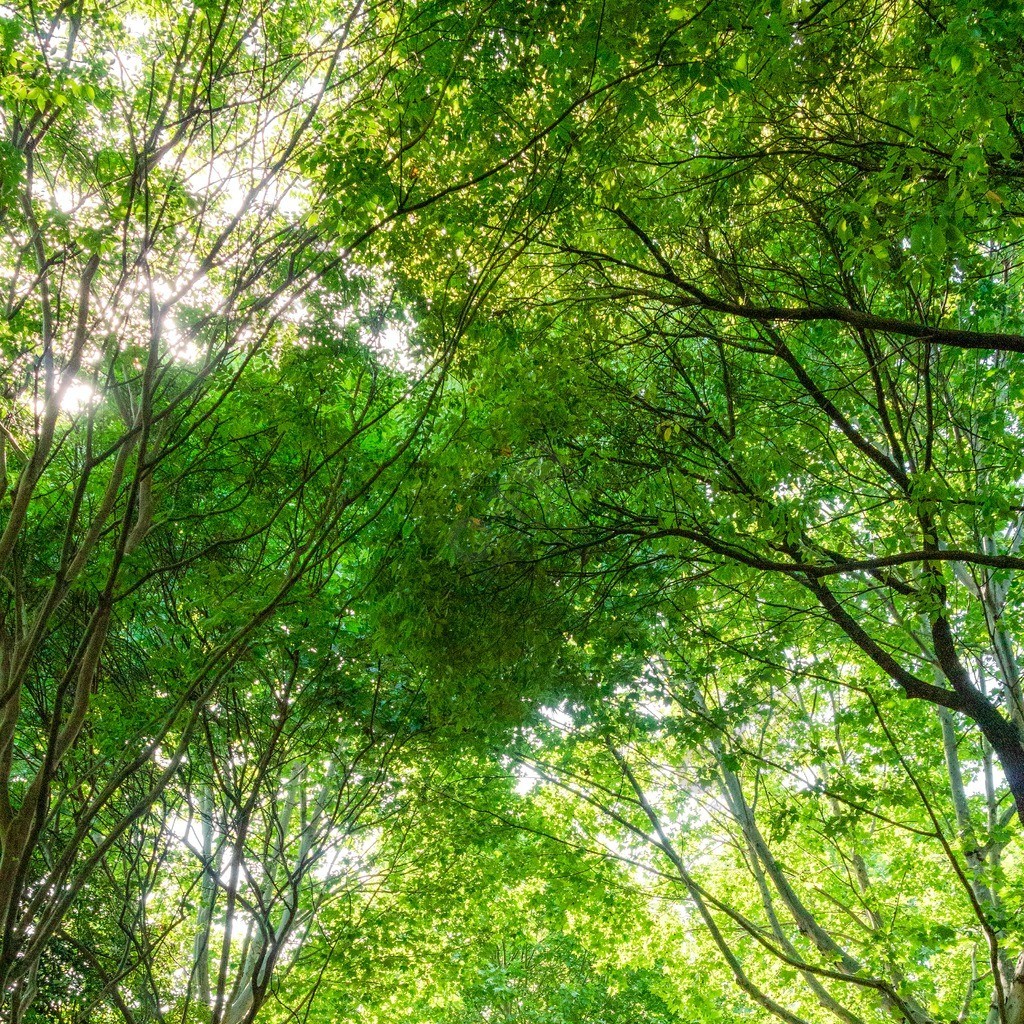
64, 199
129, 65
224, 178
311, 88
558, 717
287, 197
180, 349
801, 779
976, 785
186, 829
78, 396
393, 344
231, 181
137, 25
527, 779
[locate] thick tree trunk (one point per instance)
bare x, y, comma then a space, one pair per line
1015, 995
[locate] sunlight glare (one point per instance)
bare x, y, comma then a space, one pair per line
77, 397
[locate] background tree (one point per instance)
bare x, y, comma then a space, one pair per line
198, 208
703, 435
754, 390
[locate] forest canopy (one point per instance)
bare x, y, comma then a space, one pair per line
511, 511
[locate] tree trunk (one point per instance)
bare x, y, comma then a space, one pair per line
1015, 996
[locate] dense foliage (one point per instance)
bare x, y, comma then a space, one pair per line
511, 511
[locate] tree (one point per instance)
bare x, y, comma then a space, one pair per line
705, 439
774, 347
486, 916
199, 204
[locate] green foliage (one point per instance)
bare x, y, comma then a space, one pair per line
510, 511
